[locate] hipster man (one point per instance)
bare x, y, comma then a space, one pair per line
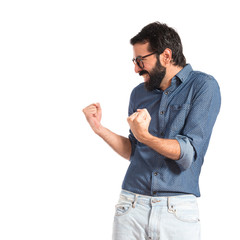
171, 117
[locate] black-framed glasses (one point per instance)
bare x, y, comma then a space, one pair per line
139, 60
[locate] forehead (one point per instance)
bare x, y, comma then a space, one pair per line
140, 49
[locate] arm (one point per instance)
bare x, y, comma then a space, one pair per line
119, 144
139, 123
194, 139
169, 148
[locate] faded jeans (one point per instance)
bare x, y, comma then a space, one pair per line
140, 217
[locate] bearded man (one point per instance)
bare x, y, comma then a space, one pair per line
171, 117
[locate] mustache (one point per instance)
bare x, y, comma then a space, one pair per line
143, 72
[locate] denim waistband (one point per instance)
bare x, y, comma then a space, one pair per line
164, 201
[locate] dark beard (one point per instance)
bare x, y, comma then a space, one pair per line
156, 76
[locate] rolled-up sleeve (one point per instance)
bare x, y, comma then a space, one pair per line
187, 152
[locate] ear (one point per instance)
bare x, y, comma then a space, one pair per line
166, 57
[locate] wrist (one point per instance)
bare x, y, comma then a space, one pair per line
146, 138
98, 130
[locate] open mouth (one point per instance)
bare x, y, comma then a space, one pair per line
145, 75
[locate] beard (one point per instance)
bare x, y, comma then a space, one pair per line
155, 76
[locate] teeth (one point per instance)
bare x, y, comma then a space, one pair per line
145, 77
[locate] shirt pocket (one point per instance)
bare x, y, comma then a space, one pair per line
178, 114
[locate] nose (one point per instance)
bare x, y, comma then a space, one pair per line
137, 69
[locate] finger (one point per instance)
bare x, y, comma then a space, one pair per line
141, 115
133, 116
90, 110
142, 110
89, 107
147, 115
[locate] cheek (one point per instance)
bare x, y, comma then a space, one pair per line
149, 67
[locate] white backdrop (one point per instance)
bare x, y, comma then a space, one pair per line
57, 179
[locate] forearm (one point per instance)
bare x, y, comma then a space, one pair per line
119, 144
169, 148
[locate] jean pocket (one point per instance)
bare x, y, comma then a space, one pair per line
123, 206
122, 209
187, 212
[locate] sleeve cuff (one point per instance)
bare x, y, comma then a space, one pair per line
187, 152
133, 142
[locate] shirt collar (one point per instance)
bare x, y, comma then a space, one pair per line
184, 73
181, 76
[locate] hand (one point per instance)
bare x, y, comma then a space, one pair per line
139, 123
93, 114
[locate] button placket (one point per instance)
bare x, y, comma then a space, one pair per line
155, 179
162, 111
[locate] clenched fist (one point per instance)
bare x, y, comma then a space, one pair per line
93, 114
139, 123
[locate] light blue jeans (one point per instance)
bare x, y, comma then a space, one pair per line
140, 217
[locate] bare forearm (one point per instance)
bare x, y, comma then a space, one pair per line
119, 144
169, 148
139, 123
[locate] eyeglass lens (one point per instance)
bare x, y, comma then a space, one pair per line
139, 62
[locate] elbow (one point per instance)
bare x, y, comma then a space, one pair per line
128, 150
184, 163
127, 156
186, 159
187, 154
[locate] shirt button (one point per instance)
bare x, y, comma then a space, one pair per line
166, 93
156, 173
154, 192
162, 112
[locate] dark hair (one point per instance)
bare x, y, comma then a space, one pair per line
160, 36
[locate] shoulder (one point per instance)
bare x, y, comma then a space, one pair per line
204, 87
138, 90
201, 80
139, 87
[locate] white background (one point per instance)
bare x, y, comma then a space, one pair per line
57, 179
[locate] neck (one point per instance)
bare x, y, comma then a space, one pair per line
171, 71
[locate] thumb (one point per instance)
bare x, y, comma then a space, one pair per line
99, 111
97, 105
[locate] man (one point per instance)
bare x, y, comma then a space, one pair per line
171, 116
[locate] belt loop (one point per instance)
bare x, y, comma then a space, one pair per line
168, 202
170, 207
135, 201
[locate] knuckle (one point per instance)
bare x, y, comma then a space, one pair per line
137, 120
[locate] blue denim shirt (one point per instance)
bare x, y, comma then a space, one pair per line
185, 111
